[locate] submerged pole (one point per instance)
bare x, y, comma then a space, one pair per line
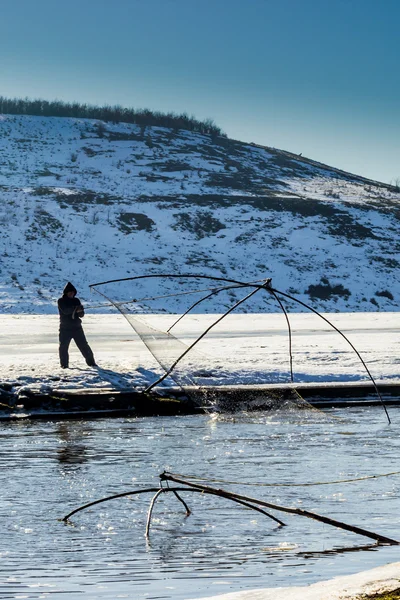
381, 539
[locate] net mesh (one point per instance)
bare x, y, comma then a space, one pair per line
232, 401
185, 366
165, 348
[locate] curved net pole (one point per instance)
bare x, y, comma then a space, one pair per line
343, 336
269, 289
173, 276
192, 307
172, 367
213, 293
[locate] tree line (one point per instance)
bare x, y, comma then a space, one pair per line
115, 114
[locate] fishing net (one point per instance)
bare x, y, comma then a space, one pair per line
229, 401
165, 348
183, 363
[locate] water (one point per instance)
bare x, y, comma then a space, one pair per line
50, 468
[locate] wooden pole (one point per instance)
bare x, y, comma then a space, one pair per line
381, 539
160, 491
174, 490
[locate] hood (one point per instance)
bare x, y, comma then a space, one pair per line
69, 288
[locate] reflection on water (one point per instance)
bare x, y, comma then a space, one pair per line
72, 451
48, 469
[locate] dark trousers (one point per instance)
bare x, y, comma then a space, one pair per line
76, 334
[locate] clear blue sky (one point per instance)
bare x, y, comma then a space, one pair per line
319, 77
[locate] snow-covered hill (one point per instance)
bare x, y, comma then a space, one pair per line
88, 201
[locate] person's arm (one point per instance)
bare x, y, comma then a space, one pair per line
65, 307
79, 310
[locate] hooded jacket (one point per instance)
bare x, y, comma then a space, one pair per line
67, 308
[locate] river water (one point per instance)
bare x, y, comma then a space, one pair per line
50, 468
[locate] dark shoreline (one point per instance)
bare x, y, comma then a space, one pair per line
172, 401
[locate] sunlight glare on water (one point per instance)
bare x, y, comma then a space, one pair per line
50, 468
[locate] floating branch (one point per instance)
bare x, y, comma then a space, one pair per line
153, 501
89, 504
248, 502
297, 511
212, 493
188, 511
175, 491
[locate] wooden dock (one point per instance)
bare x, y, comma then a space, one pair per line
108, 402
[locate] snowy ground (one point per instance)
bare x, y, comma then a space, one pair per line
242, 349
371, 582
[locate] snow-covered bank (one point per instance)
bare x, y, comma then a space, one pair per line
86, 201
379, 580
243, 349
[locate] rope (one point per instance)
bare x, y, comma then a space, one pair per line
288, 484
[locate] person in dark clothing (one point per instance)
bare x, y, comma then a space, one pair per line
71, 311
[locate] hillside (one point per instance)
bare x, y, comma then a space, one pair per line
88, 201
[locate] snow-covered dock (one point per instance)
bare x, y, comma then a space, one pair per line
243, 360
108, 402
